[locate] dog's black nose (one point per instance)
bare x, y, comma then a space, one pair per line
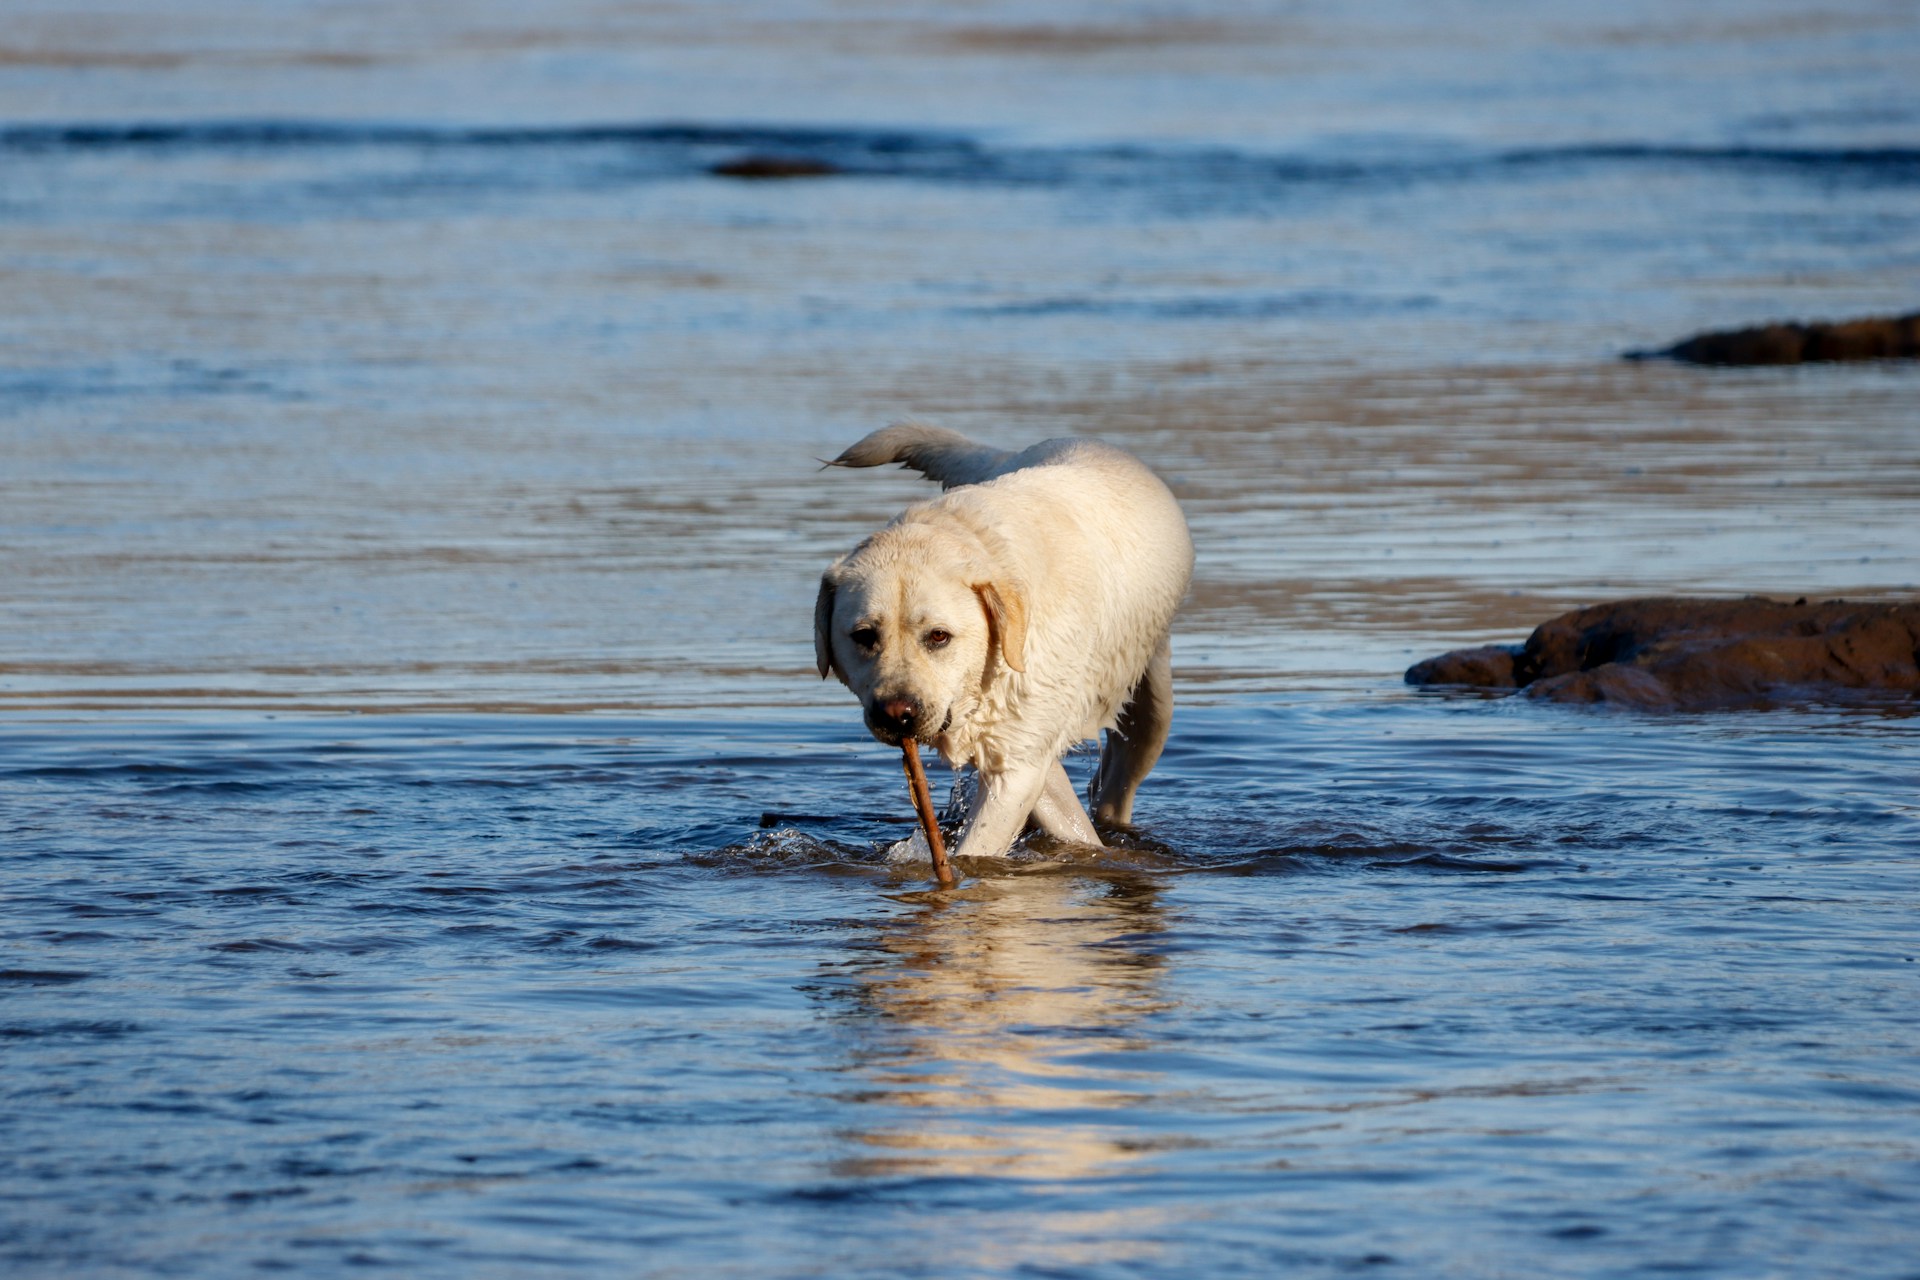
895, 717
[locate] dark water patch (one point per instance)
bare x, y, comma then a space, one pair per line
43, 977
103, 911
1443, 927
294, 134
781, 818
260, 1195
1450, 862
1203, 308
299, 1167
610, 943
1897, 165
1579, 1231
179, 1104
71, 1029
1273, 862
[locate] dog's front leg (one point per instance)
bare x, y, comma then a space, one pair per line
1000, 809
1059, 812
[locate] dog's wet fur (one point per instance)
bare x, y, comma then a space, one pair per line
1026, 609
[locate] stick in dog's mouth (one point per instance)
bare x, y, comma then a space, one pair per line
923, 805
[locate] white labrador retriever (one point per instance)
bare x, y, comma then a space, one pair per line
1024, 610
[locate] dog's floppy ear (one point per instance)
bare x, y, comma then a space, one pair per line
823, 625
1006, 607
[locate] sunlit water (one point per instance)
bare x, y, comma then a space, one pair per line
424, 841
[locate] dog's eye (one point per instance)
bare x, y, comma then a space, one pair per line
937, 639
866, 637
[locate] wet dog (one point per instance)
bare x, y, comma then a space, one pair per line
1024, 610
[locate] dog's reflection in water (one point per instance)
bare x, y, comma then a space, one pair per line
993, 1027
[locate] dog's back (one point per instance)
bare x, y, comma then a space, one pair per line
1099, 534
952, 460
1107, 558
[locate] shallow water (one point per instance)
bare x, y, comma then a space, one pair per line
426, 842
1462, 986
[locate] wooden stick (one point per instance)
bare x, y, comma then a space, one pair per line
923, 805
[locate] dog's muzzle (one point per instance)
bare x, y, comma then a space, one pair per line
893, 719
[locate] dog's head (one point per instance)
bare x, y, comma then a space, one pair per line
914, 621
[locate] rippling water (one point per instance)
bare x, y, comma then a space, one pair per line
423, 840
1462, 986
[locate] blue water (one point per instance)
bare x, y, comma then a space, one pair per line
425, 843
1465, 988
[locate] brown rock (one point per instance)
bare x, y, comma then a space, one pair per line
1621, 686
1488, 667
773, 166
1675, 653
1884, 339
1876, 338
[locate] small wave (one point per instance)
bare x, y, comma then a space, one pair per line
42, 977
71, 1029
1209, 307
1452, 862
225, 135
788, 848
1181, 176
1900, 162
1125, 853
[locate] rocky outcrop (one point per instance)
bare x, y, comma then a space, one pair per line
1680, 654
1877, 338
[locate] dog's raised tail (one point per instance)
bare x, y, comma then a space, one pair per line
935, 452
